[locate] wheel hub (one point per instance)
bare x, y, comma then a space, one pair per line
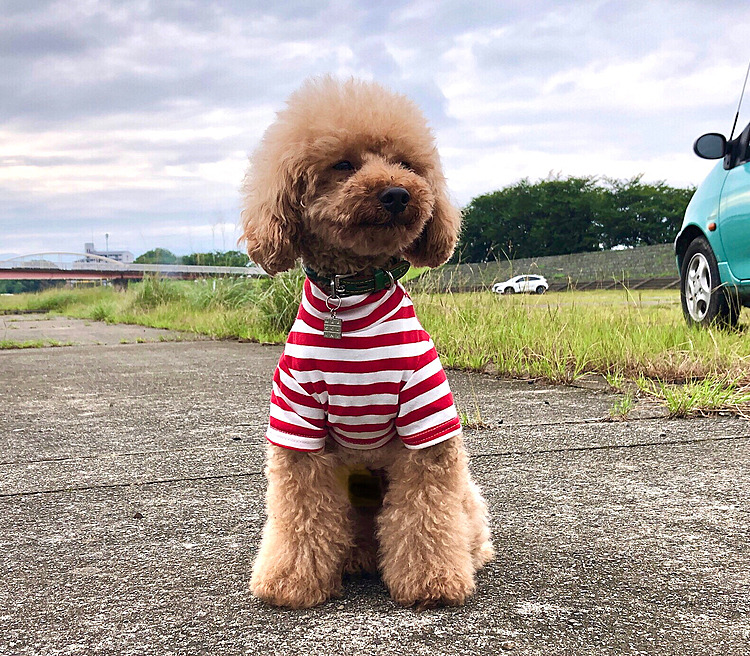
698, 287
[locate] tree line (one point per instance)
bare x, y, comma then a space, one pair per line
211, 258
561, 215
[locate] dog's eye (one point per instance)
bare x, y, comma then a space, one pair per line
343, 166
406, 165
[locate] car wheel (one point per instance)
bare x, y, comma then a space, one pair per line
704, 300
541, 289
509, 290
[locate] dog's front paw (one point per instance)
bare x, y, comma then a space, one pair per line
293, 589
434, 587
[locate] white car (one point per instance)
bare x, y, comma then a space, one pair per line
521, 284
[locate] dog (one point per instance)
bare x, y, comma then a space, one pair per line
366, 467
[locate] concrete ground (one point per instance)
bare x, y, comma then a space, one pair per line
66, 331
131, 504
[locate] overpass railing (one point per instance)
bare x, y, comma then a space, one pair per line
108, 265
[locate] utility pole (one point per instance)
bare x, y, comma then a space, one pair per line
106, 241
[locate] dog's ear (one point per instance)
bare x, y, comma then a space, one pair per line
438, 239
272, 191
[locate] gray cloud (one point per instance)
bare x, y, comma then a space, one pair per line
136, 116
39, 42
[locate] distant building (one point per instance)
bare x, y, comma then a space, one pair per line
126, 257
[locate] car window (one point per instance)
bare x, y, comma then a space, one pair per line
745, 145
738, 151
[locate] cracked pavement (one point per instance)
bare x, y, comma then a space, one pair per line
131, 503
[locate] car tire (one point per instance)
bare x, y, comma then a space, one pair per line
541, 289
509, 290
704, 301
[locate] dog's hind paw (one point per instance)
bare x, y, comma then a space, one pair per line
483, 555
361, 561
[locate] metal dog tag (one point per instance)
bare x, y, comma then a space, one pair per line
332, 327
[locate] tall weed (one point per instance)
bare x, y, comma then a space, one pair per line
153, 291
278, 303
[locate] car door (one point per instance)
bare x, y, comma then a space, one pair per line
734, 212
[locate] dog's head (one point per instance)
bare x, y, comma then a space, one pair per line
347, 176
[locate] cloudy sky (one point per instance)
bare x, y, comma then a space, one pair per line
136, 117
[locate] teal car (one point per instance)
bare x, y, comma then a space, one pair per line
713, 245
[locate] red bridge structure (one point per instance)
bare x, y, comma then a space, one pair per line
63, 265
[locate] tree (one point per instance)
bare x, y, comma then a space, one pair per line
552, 216
157, 256
560, 215
217, 258
644, 213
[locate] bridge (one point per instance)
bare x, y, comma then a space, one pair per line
65, 265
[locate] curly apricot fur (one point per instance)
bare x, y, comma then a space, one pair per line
430, 532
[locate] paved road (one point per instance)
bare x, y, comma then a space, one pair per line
131, 495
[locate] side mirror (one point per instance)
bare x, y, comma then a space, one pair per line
710, 146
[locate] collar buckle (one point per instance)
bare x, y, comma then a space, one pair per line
336, 286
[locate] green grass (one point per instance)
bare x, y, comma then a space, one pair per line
707, 396
624, 336
561, 337
414, 272
6, 344
621, 407
253, 310
471, 418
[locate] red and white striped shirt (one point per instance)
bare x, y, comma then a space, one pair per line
381, 379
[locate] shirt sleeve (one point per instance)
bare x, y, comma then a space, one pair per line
298, 419
427, 414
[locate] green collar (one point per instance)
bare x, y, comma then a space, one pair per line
351, 284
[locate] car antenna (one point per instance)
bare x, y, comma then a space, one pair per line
737, 115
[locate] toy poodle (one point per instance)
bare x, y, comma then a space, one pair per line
366, 467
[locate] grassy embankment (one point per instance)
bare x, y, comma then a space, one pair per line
259, 310
637, 340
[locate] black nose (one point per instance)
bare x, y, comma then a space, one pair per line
394, 199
